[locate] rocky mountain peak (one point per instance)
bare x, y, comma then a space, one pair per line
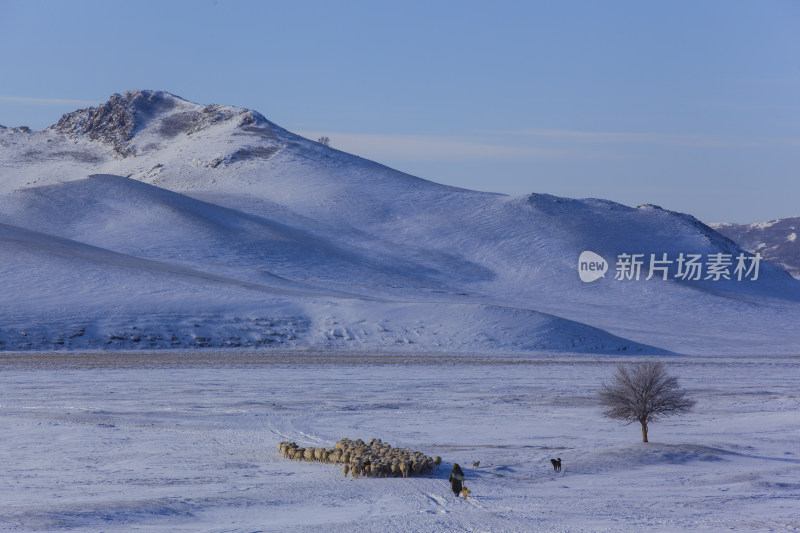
117, 121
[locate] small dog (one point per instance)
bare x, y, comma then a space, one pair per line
476, 464
465, 492
556, 464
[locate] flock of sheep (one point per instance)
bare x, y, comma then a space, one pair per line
373, 459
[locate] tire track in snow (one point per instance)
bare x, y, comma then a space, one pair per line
293, 434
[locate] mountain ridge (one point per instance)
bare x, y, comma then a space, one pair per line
775, 240
365, 256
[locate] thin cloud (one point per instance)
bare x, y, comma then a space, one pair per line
45, 101
528, 144
434, 148
687, 140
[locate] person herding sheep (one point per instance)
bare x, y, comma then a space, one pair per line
456, 479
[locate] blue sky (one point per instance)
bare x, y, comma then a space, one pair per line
692, 105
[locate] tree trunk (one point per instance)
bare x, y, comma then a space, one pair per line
644, 431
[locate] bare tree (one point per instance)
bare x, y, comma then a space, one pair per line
643, 392
324, 141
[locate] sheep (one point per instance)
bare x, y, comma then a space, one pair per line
287, 448
377, 469
376, 459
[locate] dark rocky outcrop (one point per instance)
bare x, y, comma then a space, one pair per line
117, 121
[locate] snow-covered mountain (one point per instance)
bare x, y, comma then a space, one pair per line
154, 222
776, 241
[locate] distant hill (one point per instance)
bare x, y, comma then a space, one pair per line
776, 241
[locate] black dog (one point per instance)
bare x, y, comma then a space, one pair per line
556, 464
456, 477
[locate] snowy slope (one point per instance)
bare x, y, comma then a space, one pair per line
150, 205
79, 296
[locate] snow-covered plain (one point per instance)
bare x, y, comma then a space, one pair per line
187, 442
